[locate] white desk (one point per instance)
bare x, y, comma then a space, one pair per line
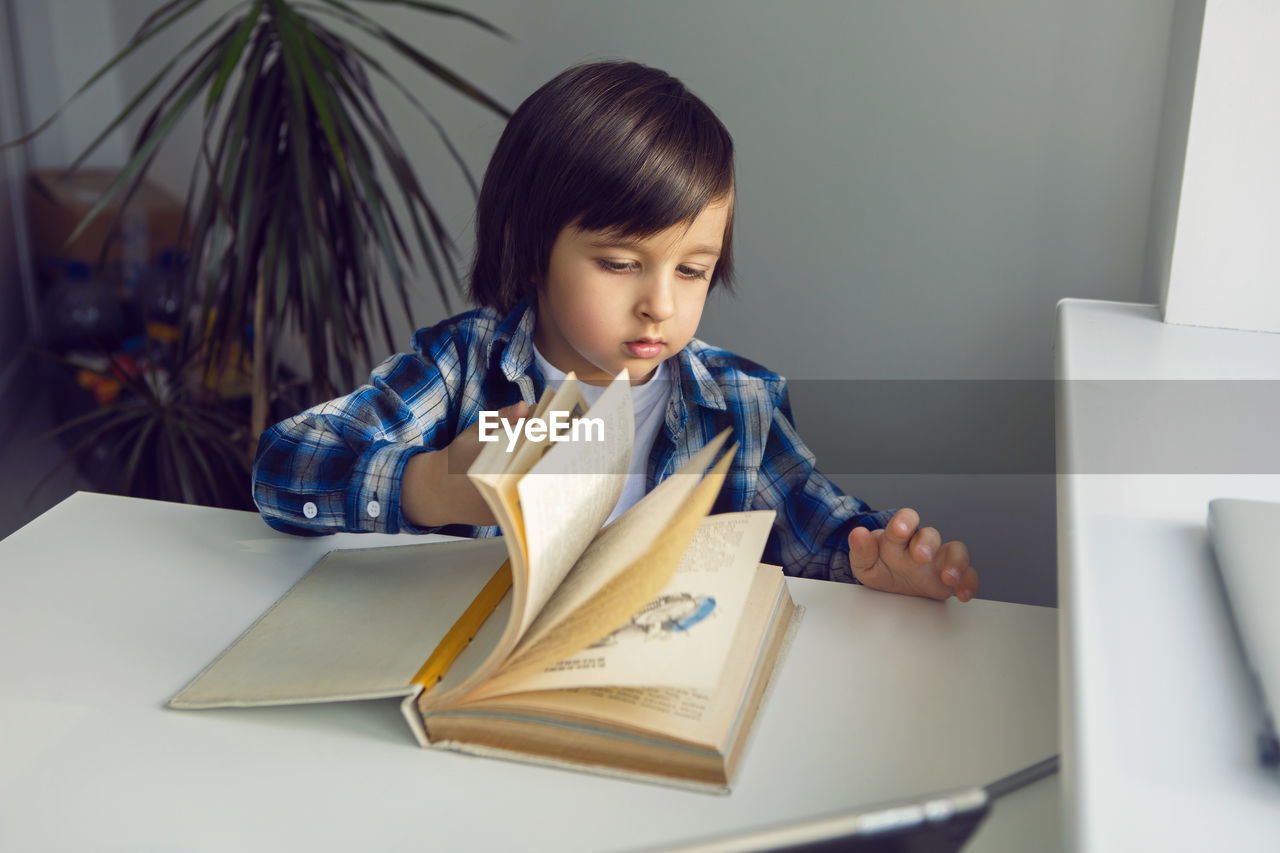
1157, 723
109, 605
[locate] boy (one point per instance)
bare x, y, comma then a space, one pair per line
604, 221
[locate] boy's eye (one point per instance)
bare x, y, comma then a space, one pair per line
615, 266
684, 271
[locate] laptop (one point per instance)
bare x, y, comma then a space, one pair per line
936, 823
1243, 534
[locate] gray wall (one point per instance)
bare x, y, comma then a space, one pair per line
61, 44
13, 316
919, 183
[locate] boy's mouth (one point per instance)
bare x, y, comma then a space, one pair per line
645, 347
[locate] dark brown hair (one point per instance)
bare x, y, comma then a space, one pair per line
611, 146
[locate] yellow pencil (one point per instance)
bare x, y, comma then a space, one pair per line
465, 628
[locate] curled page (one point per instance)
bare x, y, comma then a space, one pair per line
618, 600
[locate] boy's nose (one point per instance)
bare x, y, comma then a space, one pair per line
657, 302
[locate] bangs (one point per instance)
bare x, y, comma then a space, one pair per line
651, 171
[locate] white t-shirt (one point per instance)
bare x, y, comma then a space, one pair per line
650, 403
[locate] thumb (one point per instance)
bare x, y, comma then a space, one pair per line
864, 549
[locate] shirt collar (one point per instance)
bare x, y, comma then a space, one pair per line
513, 340
691, 380
696, 381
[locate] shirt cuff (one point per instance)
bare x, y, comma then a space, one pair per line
373, 501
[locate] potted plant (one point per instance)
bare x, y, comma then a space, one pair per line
289, 219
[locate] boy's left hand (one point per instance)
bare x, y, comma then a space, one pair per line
908, 559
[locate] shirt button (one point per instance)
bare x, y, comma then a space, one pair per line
309, 509
375, 509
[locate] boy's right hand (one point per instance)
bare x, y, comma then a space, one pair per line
436, 491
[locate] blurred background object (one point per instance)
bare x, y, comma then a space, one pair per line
173, 332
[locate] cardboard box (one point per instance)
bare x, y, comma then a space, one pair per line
56, 206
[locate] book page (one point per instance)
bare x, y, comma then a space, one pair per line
497, 470
622, 597
697, 715
496, 473
616, 547
498, 458
683, 635
569, 493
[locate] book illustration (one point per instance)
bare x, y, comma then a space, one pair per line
667, 614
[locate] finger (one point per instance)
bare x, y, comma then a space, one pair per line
901, 527
967, 588
925, 544
864, 550
955, 571
896, 535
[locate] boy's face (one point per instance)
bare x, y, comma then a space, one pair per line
609, 303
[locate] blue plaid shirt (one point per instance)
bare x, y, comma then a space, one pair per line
338, 466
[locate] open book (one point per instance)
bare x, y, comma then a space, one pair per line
641, 649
